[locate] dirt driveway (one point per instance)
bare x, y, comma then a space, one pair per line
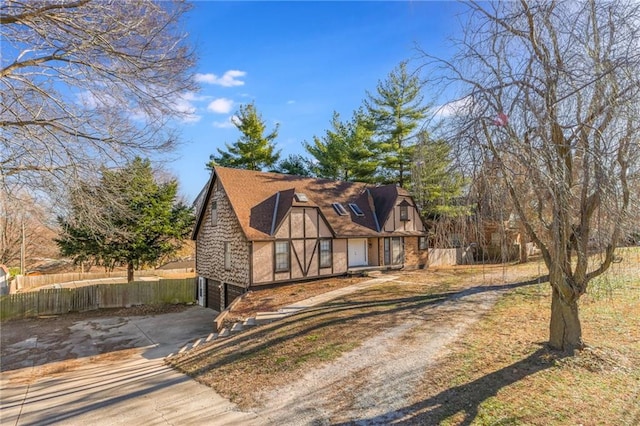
107, 370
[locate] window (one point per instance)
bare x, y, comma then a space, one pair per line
282, 256
393, 251
325, 254
404, 213
214, 213
355, 209
422, 243
339, 208
227, 255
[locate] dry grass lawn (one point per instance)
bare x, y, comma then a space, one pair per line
500, 372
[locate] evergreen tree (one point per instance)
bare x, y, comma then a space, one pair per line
346, 151
435, 184
139, 219
294, 164
397, 111
254, 150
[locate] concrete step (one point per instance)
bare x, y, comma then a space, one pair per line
268, 314
267, 317
224, 333
249, 322
235, 328
291, 309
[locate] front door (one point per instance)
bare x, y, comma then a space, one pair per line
357, 252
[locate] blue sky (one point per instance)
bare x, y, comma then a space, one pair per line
299, 62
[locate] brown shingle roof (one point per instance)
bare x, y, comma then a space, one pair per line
253, 196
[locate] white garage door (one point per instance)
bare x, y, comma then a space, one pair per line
357, 252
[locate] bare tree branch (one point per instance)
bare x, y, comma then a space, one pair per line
85, 84
565, 75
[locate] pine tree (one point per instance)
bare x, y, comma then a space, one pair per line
345, 152
254, 150
397, 111
435, 184
294, 164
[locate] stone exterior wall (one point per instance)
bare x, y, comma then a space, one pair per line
210, 244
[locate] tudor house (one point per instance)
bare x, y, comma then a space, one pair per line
255, 228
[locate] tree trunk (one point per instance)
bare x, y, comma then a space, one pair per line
565, 333
524, 258
129, 272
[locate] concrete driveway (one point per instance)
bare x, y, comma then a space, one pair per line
109, 371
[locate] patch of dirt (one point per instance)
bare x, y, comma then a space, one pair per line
270, 299
48, 339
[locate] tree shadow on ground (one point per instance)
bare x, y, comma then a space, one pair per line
253, 342
464, 401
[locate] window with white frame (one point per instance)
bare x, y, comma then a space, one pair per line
393, 251
283, 256
339, 208
227, 255
356, 209
404, 213
214, 213
422, 243
325, 254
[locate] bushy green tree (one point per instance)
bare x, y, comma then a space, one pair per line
397, 111
294, 164
254, 150
345, 152
135, 219
435, 183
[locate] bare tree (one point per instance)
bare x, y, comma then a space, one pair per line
552, 95
85, 83
24, 225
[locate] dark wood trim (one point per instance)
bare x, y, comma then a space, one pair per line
250, 263
295, 252
304, 243
312, 254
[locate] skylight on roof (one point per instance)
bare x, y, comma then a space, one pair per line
339, 208
302, 197
355, 209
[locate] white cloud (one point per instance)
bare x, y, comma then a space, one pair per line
228, 79
457, 107
226, 124
95, 99
220, 106
291, 102
184, 106
192, 96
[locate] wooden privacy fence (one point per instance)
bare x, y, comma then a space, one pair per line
32, 281
63, 300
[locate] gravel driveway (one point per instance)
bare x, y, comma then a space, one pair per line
371, 384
